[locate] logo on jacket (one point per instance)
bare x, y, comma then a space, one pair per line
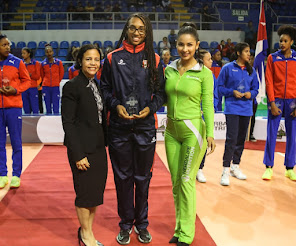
279, 58
145, 64
121, 62
153, 140
11, 61
234, 70
192, 77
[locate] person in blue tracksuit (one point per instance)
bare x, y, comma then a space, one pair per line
132, 83
205, 58
238, 83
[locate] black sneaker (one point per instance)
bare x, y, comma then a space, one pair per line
253, 139
144, 235
123, 237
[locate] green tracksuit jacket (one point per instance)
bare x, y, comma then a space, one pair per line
185, 138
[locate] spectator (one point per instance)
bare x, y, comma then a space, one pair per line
71, 7
98, 9
250, 35
206, 17
165, 3
221, 46
172, 38
108, 9
89, 7
228, 49
79, 8
164, 44
169, 9
116, 8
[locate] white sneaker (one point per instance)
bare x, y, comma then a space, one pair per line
236, 172
225, 178
200, 176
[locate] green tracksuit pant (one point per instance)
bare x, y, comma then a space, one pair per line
185, 142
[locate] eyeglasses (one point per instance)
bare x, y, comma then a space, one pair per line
133, 29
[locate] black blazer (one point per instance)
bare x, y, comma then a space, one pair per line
80, 118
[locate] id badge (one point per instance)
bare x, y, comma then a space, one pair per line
132, 104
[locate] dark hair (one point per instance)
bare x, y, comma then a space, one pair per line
288, 30
2, 36
200, 55
189, 28
47, 46
30, 51
75, 52
152, 70
239, 49
81, 52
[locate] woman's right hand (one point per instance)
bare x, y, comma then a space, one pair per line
238, 94
275, 111
122, 113
83, 164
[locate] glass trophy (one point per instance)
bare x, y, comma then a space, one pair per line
5, 82
132, 104
241, 87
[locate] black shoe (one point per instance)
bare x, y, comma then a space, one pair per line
80, 241
123, 237
182, 244
252, 138
174, 240
144, 235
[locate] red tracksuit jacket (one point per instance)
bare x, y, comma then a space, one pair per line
14, 73
51, 73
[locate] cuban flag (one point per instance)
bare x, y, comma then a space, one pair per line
261, 53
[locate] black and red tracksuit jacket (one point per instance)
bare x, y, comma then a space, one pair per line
125, 72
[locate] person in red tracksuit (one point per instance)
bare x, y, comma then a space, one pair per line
30, 96
14, 79
281, 93
73, 72
52, 72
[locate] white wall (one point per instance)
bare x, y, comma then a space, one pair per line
102, 35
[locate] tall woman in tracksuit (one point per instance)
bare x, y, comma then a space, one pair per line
187, 135
30, 96
52, 72
238, 83
132, 83
14, 79
281, 93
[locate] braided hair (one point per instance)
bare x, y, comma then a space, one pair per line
154, 83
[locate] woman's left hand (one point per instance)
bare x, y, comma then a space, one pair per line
8, 90
142, 114
248, 95
211, 144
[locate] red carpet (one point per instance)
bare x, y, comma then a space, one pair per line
260, 145
41, 211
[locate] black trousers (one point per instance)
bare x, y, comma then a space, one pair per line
255, 105
236, 130
132, 155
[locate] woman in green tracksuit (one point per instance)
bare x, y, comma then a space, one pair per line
187, 135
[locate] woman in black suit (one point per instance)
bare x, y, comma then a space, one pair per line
84, 123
